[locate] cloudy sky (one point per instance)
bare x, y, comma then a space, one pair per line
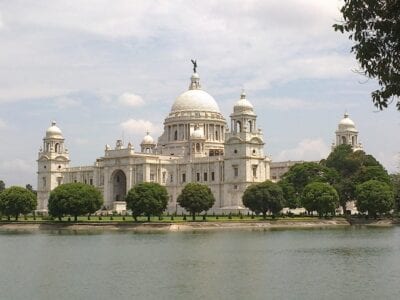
106, 70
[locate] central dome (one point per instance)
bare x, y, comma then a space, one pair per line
195, 100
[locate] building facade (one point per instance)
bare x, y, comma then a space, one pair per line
196, 146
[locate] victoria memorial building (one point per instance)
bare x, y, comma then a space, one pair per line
197, 145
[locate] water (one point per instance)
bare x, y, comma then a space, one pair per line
345, 263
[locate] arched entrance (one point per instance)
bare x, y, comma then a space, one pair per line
118, 180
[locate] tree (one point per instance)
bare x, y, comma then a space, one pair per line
147, 198
263, 197
195, 198
373, 25
294, 181
374, 197
320, 197
16, 200
74, 199
2, 186
395, 179
354, 168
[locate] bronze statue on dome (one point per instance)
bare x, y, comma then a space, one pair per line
194, 62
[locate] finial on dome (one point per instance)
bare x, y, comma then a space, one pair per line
346, 115
195, 79
243, 94
53, 123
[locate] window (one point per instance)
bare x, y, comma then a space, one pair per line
197, 147
205, 176
255, 171
183, 177
164, 174
44, 182
254, 151
152, 177
212, 176
85, 181
176, 135
216, 135
236, 171
91, 181
235, 151
198, 176
59, 181
235, 187
171, 177
57, 147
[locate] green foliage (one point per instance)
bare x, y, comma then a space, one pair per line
263, 197
74, 199
294, 181
17, 200
373, 25
147, 198
395, 179
2, 186
320, 197
374, 197
354, 168
195, 198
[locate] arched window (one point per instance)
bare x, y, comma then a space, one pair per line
48, 147
344, 141
238, 126
176, 135
198, 147
353, 140
216, 135
250, 126
57, 148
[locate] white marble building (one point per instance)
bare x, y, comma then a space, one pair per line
196, 146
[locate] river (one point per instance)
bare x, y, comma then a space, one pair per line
340, 263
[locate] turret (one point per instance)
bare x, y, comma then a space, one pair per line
52, 161
347, 133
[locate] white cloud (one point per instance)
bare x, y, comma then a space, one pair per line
16, 164
129, 99
66, 102
2, 124
307, 149
139, 127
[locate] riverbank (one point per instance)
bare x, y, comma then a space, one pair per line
191, 226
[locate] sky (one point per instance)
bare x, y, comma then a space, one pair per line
108, 70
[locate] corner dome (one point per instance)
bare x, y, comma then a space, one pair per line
346, 123
147, 140
53, 131
243, 104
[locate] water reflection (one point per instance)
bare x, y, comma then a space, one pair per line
345, 263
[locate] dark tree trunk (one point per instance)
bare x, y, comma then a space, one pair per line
264, 215
194, 216
135, 218
59, 218
148, 218
75, 218
16, 217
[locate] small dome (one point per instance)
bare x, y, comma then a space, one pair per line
195, 100
243, 104
197, 134
147, 140
53, 131
346, 123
